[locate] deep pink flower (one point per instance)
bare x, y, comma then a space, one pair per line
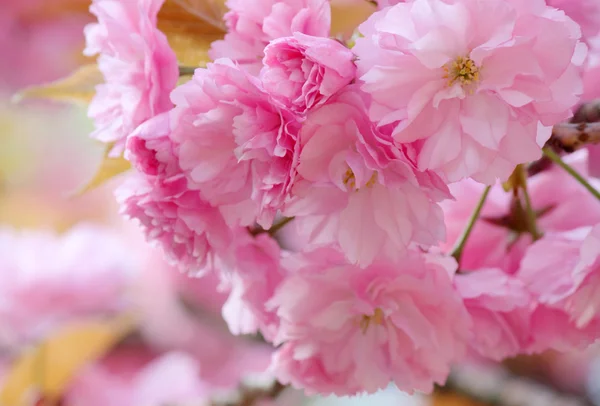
47, 280
499, 239
440, 73
236, 147
347, 330
251, 26
139, 67
500, 307
356, 188
191, 232
302, 71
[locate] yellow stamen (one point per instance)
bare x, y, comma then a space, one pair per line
350, 181
462, 70
377, 318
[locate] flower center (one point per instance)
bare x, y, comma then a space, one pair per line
376, 318
462, 70
350, 180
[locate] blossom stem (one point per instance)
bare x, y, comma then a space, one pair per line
531, 216
460, 246
276, 227
554, 157
186, 70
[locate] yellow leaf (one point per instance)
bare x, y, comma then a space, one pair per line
109, 168
346, 15
191, 26
49, 368
80, 86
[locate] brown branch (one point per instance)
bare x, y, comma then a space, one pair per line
569, 137
583, 129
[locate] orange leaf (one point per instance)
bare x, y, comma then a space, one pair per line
346, 15
80, 87
191, 26
108, 169
50, 367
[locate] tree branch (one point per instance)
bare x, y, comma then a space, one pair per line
570, 137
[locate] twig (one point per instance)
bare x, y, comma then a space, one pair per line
554, 157
274, 229
462, 241
186, 70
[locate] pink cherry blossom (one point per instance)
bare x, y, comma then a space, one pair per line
356, 188
564, 271
256, 276
168, 379
586, 13
251, 26
48, 279
500, 307
499, 239
191, 231
178, 314
347, 330
561, 272
236, 147
302, 72
441, 76
139, 67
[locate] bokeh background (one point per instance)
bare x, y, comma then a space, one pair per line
94, 316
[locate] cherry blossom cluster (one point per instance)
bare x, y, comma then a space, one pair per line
326, 181
50, 283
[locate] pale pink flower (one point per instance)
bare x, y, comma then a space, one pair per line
356, 188
302, 71
441, 76
139, 67
553, 329
169, 379
564, 271
381, 4
251, 26
586, 13
500, 307
347, 330
180, 313
499, 239
236, 147
257, 274
47, 280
